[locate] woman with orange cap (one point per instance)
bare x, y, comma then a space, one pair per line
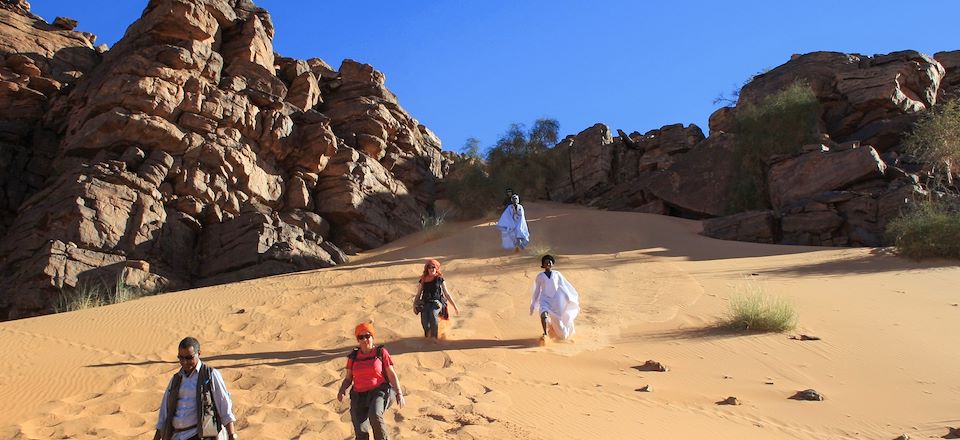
432, 298
375, 385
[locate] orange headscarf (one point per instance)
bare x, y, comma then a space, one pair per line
426, 277
366, 327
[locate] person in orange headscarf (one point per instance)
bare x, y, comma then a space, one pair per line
375, 385
432, 299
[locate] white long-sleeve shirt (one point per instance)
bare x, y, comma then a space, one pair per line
186, 412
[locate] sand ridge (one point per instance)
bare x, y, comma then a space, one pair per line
651, 288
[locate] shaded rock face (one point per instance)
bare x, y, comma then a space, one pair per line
38, 61
831, 193
191, 154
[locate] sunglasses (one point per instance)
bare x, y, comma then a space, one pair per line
186, 358
364, 336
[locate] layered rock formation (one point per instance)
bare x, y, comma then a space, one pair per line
840, 192
190, 154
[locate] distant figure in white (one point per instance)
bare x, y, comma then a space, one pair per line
558, 301
513, 226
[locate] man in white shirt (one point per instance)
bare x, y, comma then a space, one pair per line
557, 299
182, 417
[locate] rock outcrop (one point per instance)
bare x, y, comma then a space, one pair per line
191, 154
840, 192
613, 172
950, 86
871, 100
37, 62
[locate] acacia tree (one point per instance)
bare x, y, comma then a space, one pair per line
520, 157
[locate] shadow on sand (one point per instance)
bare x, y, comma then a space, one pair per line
315, 356
714, 331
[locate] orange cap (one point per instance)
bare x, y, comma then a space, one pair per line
366, 327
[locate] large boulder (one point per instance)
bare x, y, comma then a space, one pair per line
755, 226
812, 173
698, 182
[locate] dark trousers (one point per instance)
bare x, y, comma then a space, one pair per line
366, 411
430, 319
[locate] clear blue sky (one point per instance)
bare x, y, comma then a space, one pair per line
470, 68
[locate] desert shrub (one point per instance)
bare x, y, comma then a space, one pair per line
935, 139
538, 250
780, 124
931, 228
91, 294
82, 297
751, 309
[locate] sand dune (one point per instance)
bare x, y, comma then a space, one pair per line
651, 288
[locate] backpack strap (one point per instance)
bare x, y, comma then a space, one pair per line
171, 405
353, 354
380, 352
205, 390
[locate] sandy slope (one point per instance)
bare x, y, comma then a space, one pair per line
651, 289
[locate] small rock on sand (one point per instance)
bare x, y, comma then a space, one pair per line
651, 366
810, 394
729, 401
644, 389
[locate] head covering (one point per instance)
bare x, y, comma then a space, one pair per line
365, 327
426, 277
515, 199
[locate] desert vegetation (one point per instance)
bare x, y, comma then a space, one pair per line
779, 124
752, 309
931, 227
97, 293
520, 159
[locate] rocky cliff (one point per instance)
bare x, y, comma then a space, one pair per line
190, 153
841, 191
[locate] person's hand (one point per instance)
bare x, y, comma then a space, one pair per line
456, 309
400, 400
340, 395
531, 310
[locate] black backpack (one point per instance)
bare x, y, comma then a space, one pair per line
434, 292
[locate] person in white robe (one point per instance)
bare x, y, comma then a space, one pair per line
557, 300
513, 226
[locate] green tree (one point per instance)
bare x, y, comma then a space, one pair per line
520, 157
471, 148
935, 139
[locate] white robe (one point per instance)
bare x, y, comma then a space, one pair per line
556, 296
513, 228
